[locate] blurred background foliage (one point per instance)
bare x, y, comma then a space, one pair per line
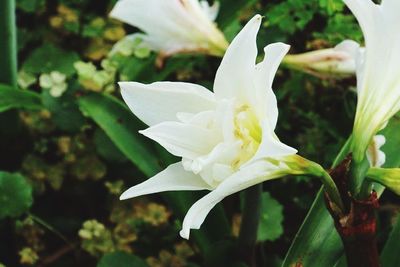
73, 146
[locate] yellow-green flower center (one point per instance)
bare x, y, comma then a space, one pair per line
248, 131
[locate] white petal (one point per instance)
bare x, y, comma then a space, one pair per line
163, 20
173, 178
210, 11
161, 101
247, 177
235, 73
183, 140
270, 146
264, 98
363, 10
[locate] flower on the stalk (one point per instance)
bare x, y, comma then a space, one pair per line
330, 62
378, 73
226, 139
174, 26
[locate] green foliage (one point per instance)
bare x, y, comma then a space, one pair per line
116, 120
121, 259
390, 255
11, 98
76, 142
270, 227
49, 57
15, 195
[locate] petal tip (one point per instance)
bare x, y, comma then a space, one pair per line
185, 234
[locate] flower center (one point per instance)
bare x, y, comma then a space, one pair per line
248, 131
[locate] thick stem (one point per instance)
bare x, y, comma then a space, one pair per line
249, 225
358, 232
8, 43
356, 224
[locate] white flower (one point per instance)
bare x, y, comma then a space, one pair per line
378, 72
174, 26
226, 139
325, 62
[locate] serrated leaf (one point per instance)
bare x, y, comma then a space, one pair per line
121, 259
11, 98
48, 57
15, 195
271, 219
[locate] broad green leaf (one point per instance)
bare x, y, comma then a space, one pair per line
121, 126
48, 57
12, 98
64, 110
317, 243
121, 259
15, 195
270, 227
390, 255
106, 148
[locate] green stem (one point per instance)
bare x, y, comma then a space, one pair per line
8, 43
359, 187
249, 225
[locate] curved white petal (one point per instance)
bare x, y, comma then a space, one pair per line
378, 73
183, 140
161, 101
235, 73
173, 178
270, 146
247, 177
264, 98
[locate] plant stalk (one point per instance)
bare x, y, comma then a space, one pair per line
249, 225
357, 224
8, 43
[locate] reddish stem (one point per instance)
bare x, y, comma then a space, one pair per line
357, 225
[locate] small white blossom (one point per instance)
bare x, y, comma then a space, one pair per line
174, 26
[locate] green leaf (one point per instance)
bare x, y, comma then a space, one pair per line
390, 255
106, 148
120, 125
65, 111
270, 227
11, 98
317, 243
48, 57
121, 259
30, 6
15, 195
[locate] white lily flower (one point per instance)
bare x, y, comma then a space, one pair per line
378, 73
226, 139
174, 26
325, 62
